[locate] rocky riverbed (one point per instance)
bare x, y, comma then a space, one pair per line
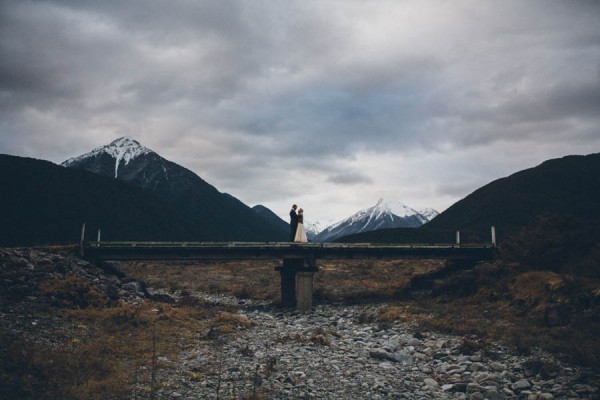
341, 352
336, 351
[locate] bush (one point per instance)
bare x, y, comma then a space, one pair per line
558, 243
73, 292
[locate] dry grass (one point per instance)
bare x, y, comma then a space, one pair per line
109, 350
229, 323
364, 280
244, 279
513, 310
347, 281
131, 337
73, 291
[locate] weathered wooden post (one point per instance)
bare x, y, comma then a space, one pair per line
494, 236
81, 250
458, 238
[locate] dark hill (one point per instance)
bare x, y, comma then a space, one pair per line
43, 203
271, 218
566, 186
215, 216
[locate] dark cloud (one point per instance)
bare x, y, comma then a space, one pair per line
249, 91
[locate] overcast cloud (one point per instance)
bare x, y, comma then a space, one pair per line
328, 104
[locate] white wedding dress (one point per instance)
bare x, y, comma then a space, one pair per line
300, 233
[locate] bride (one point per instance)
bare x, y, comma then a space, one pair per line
300, 232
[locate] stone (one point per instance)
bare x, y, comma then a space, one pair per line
474, 387
497, 367
460, 387
493, 395
520, 385
380, 354
403, 358
430, 382
452, 367
477, 366
447, 387
391, 345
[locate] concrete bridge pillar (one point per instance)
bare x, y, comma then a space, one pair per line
304, 291
288, 280
297, 276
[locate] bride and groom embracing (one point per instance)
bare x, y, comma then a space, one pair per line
297, 232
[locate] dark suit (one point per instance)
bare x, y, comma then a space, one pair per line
293, 224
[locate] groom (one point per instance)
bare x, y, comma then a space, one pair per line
293, 222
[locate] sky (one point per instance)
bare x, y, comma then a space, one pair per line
327, 104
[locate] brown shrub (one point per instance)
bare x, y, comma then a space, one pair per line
226, 323
73, 291
74, 370
391, 313
558, 243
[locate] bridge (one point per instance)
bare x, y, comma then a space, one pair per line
299, 259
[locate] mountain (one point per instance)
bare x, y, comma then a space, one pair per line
382, 215
43, 203
313, 228
214, 216
107, 158
271, 218
565, 186
568, 186
428, 214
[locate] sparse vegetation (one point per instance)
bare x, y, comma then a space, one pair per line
114, 349
543, 292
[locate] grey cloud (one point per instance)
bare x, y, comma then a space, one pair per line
301, 84
349, 178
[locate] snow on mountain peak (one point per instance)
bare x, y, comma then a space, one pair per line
394, 207
122, 149
429, 214
384, 214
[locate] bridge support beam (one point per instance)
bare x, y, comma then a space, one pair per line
304, 291
297, 276
288, 280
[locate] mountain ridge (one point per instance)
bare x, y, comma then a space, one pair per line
568, 185
216, 216
44, 203
384, 214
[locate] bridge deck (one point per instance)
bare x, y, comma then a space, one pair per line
274, 250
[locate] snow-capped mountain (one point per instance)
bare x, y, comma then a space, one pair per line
121, 150
313, 228
215, 215
382, 215
428, 214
